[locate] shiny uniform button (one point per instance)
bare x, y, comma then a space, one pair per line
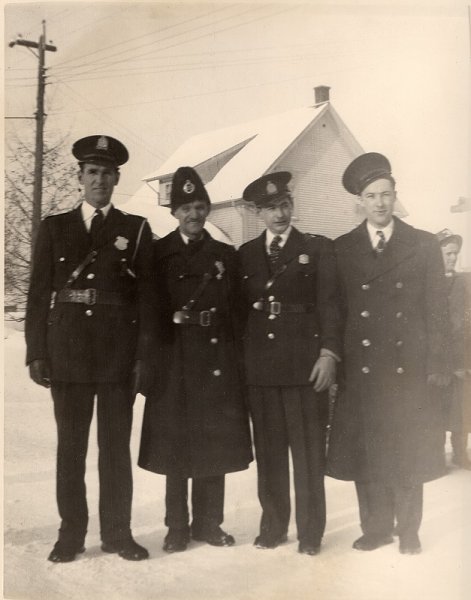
365, 343
217, 372
399, 285
271, 336
271, 298
89, 312
400, 370
214, 340
181, 277
213, 309
365, 286
91, 276
271, 317
365, 370
62, 259
365, 314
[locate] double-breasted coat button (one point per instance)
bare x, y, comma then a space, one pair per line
91, 276
181, 276
214, 340
365, 370
62, 259
366, 343
399, 285
398, 315
271, 336
365, 314
271, 298
217, 372
89, 312
365, 286
271, 317
213, 309
400, 370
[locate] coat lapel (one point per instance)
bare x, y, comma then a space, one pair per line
401, 245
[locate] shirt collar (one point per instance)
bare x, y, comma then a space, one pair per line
88, 211
388, 230
186, 239
284, 237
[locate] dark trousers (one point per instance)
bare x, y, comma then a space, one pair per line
207, 500
73, 409
290, 418
381, 505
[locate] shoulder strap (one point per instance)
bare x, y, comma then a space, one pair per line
138, 241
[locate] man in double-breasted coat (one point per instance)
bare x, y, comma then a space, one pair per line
387, 432
94, 265
195, 421
457, 396
292, 344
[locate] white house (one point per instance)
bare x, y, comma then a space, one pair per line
312, 143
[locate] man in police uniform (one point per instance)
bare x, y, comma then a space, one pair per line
458, 393
387, 428
94, 265
292, 344
195, 421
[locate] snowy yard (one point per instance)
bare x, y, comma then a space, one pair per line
441, 572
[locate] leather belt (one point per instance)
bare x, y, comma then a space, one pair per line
204, 318
276, 308
91, 296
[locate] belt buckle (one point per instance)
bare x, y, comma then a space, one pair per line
275, 308
90, 296
205, 318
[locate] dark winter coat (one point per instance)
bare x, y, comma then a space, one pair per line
281, 350
96, 343
195, 420
387, 424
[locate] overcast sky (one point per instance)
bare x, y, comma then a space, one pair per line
153, 74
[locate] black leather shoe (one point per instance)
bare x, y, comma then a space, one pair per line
308, 548
127, 549
62, 553
410, 545
265, 542
176, 540
372, 541
214, 536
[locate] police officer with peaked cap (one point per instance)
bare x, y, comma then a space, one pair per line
386, 432
292, 345
87, 322
195, 422
457, 395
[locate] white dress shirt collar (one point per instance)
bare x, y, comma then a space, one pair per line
284, 237
88, 211
372, 232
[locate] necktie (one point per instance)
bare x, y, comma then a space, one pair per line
381, 245
96, 224
275, 249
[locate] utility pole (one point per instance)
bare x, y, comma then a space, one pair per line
39, 116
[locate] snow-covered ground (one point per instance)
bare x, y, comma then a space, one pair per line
441, 572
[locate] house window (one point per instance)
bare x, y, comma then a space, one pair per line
166, 192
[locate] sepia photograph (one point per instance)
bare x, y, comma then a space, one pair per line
237, 300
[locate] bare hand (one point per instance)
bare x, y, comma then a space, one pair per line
39, 372
323, 373
439, 379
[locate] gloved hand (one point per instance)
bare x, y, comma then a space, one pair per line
39, 372
141, 379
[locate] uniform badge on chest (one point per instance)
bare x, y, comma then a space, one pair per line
121, 243
303, 259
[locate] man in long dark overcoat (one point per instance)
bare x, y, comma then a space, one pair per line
457, 396
387, 431
94, 265
292, 344
195, 421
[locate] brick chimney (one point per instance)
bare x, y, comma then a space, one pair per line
321, 94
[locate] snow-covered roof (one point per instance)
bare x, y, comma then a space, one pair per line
144, 203
266, 140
